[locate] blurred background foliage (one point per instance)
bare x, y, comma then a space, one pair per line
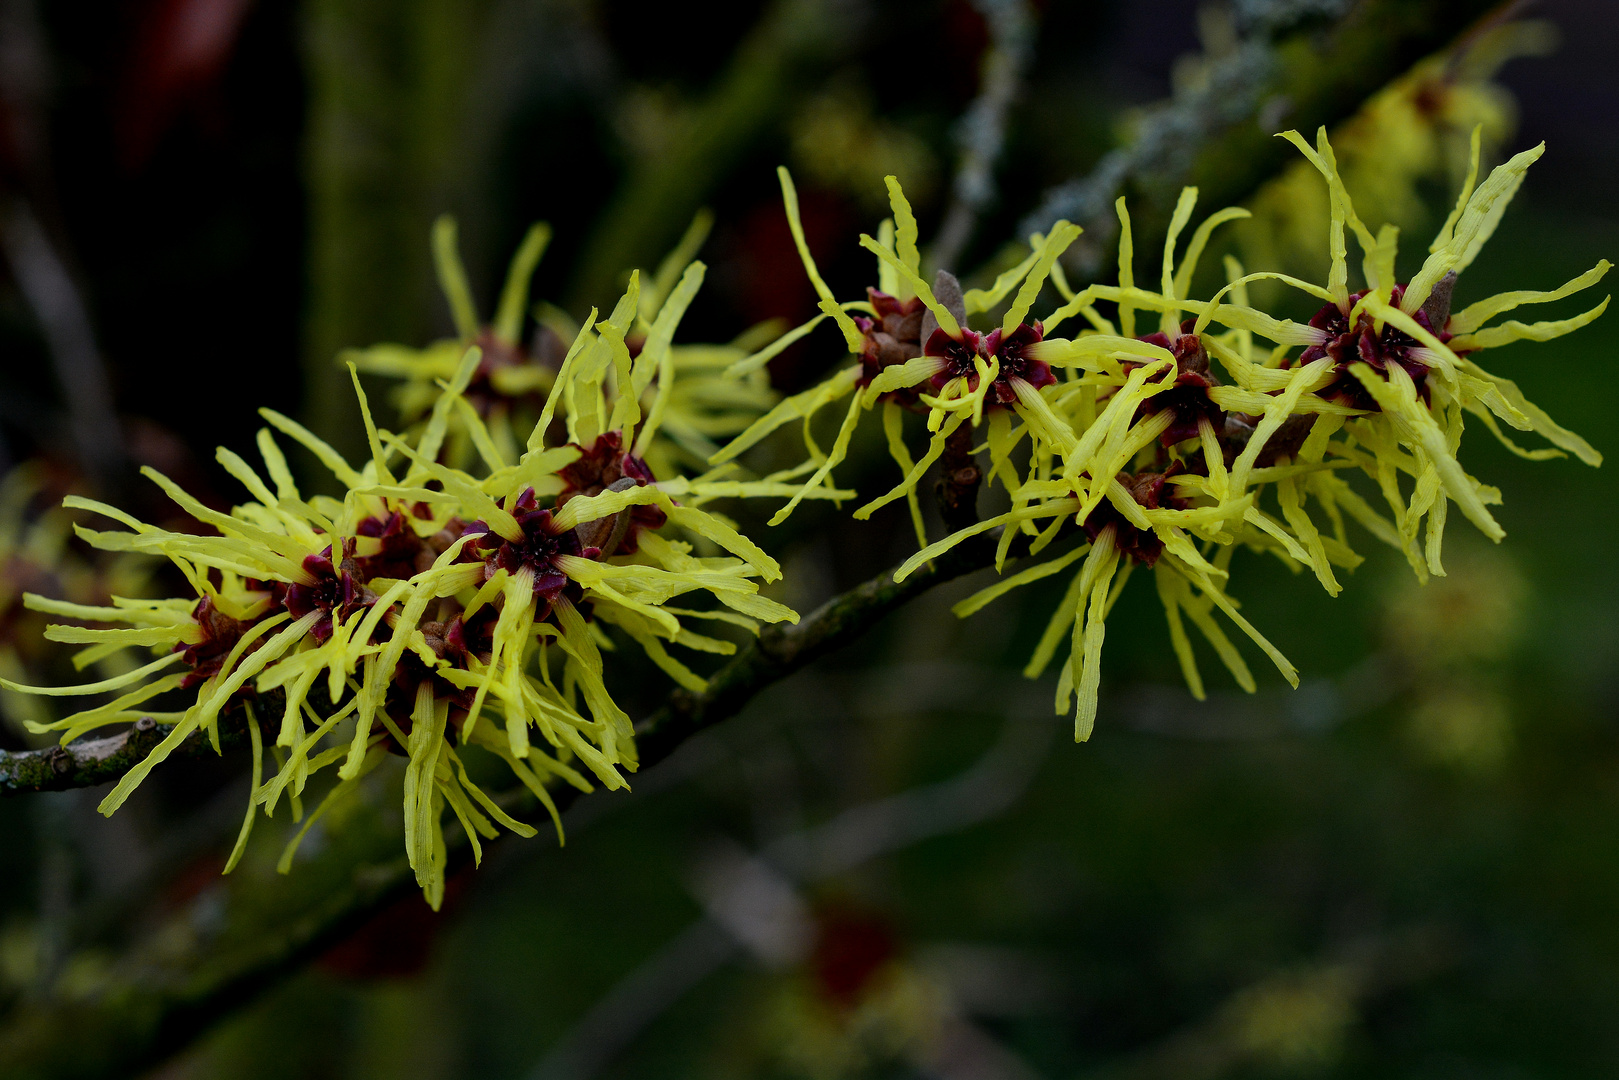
1406, 868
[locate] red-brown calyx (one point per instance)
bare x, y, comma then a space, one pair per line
454, 639
220, 633
1011, 351
1189, 397
1152, 492
392, 548
545, 350
892, 337
1364, 343
605, 466
496, 355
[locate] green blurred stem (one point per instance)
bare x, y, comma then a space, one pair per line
388, 90
792, 42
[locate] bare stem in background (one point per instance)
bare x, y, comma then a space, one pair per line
755, 903
1289, 69
65, 320
387, 118
982, 130
36, 262
793, 40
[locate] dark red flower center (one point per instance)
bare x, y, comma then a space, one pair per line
536, 550
892, 337
606, 465
1188, 399
1011, 351
335, 591
397, 552
1153, 493
1364, 343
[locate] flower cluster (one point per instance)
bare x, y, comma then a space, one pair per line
464, 588
38, 554
1167, 447
432, 607
698, 403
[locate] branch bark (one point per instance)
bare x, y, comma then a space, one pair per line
1291, 70
780, 651
91, 762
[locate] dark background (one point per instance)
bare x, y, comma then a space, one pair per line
1405, 868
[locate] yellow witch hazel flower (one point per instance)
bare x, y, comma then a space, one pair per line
1170, 465
915, 352
428, 609
1154, 471
1398, 356
510, 383
1116, 450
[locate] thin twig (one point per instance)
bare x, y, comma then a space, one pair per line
780, 651
90, 762
956, 491
1217, 133
777, 653
65, 321
982, 131
771, 922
